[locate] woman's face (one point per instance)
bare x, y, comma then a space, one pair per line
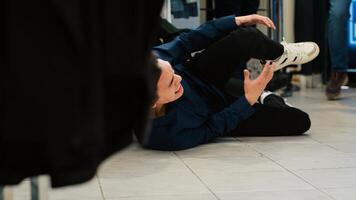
169, 87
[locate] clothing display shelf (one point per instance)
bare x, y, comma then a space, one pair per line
182, 13
274, 9
39, 190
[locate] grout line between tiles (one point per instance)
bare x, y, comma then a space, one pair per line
196, 175
100, 187
326, 145
328, 168
296, 175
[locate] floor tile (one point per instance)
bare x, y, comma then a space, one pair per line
291, 139
135, 151
329, 178
225, 181
320, 162
163, 183
283, 150
341, 135
306, 155
342, 193
275, 195
171, 197
231, 164
345, 146
140, 167
148, 176
225, 148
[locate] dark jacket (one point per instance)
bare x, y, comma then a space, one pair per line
203, 112
73, 84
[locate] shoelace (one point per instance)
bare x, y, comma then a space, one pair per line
294, 50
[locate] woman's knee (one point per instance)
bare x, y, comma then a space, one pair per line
301, 122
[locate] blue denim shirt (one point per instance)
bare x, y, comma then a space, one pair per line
202, 113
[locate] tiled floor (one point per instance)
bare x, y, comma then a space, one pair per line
317, 166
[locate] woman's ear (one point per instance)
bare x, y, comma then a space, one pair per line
154, 106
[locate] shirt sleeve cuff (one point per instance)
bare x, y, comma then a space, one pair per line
229, 22
243, 107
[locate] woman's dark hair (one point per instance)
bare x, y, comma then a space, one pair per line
155, 72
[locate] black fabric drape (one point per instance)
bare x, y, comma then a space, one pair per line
73, 84
235, 7
310, 25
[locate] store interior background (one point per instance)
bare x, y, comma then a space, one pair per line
318, 166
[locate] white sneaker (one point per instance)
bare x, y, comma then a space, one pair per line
297, 53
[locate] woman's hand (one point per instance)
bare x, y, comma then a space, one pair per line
254, 88
249, 20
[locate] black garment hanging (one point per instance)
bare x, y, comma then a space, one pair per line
310, 25
236, 7
73, 84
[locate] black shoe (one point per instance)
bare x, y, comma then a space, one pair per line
333, 89
279, 80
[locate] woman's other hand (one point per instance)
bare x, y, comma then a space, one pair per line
254, 88
254, 19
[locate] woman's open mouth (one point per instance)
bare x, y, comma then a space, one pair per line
179, 89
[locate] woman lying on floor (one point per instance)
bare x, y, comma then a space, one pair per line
193, 106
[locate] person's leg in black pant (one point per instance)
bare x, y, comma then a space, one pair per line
274, 121
216, 65
219, 61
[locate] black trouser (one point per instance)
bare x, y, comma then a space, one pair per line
218, 62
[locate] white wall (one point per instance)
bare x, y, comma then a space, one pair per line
289, 20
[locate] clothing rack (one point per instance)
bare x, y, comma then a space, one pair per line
166, 11
274, 9
39, 190
5, 193
190, 22
275, 13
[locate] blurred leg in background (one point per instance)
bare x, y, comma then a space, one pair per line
337, 36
